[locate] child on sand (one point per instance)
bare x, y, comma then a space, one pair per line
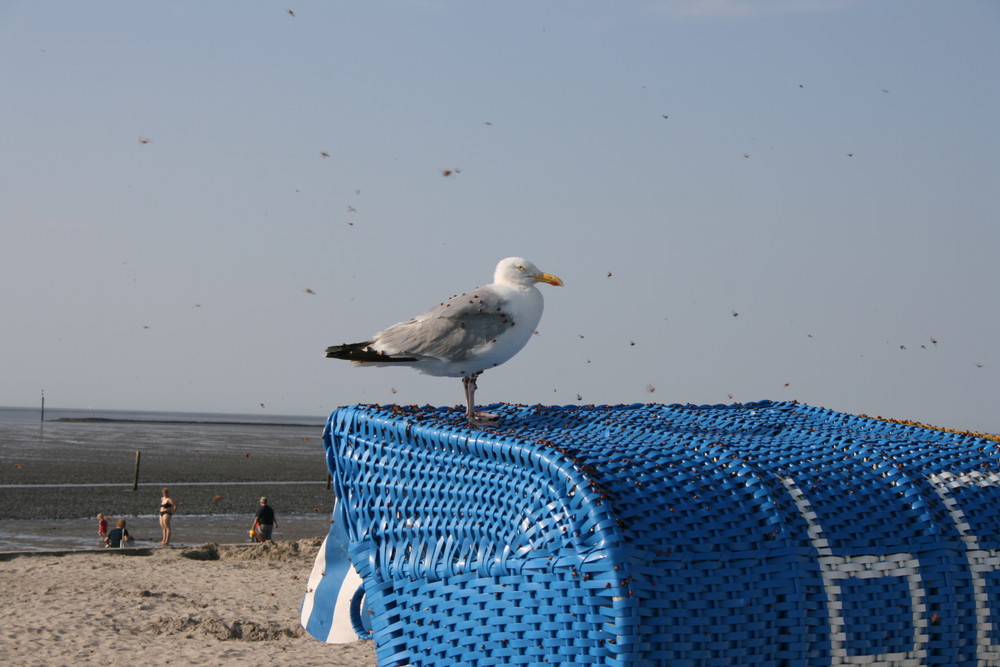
102, 527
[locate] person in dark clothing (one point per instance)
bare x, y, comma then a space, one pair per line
265, 522
118, 537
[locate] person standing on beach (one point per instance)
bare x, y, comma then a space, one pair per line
102, 527
167, 509
118, 537
266, 520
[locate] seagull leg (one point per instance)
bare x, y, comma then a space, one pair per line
473, 417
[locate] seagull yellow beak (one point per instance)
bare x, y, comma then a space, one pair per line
548, 278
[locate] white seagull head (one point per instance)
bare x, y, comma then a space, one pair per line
519, 271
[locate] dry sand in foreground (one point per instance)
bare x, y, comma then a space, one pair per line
208, 605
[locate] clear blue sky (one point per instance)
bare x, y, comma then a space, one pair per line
746, 200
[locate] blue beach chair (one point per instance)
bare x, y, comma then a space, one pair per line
754, 534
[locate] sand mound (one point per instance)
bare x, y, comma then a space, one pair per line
242, 630
304, 550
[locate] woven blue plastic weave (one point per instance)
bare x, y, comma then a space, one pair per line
754, 534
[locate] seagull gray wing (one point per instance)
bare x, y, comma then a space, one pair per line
451, 330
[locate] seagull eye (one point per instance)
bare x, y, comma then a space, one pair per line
519, 267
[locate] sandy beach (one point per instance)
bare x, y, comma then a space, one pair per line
204, 605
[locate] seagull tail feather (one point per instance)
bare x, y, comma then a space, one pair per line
362, 352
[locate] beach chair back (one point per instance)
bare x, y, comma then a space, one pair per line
754, 534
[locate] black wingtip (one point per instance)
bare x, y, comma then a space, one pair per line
348, 350
361, 352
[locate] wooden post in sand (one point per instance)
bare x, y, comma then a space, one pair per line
135, 480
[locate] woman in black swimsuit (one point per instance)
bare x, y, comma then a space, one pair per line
167, 509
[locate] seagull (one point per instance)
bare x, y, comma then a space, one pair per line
465, 335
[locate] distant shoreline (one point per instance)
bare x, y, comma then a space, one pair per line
57, 415
111, 420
